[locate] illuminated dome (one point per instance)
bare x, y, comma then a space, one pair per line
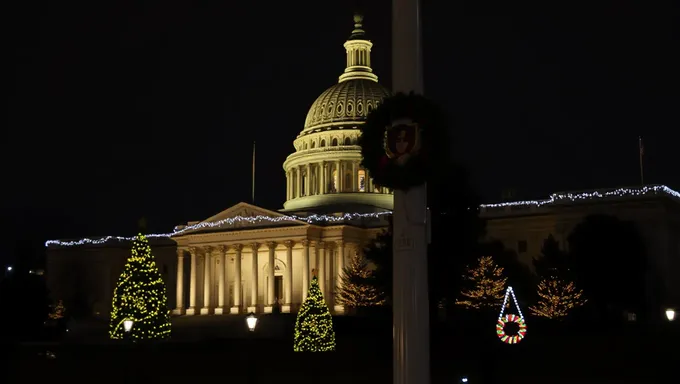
345, 102
324, 174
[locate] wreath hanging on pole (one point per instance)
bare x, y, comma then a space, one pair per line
404, 141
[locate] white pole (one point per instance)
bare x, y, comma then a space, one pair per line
411, 348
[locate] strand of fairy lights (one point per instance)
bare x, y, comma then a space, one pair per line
554, 198
509, 292
574, 197
228, 221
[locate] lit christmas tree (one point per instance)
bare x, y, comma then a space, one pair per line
486, 285
314, 325
140, 296
557, 298
58, 311
355, 291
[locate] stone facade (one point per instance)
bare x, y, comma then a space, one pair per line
523, 226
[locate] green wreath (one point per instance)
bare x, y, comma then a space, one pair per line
415, 168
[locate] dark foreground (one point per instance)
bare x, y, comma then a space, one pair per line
220, 349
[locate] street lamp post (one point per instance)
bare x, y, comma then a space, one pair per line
127, 327
251, 322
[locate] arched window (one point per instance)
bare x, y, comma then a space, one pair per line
313, 144
323, 143
362, 180
334, 143
348, 141
305, 147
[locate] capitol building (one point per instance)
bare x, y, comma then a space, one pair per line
248, 258
251, 259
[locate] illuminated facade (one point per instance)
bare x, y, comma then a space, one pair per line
260, 267
522, 226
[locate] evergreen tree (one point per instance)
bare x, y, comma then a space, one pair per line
557, 298
379, 253
58, 311
140, 296
356, 290
314, 325
486, 285
557, 295
552, 262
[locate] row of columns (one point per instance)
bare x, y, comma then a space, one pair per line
222, 276
317, 179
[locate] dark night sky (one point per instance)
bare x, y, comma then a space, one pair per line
119, 110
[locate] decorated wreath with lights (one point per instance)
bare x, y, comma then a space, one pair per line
404, 141
510, 318
511, 339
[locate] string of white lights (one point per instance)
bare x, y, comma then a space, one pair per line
509, 292
554, 198
227, 222
574, 197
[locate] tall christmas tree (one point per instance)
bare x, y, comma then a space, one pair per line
140, 296
314, 325
356, 290
486, 285
557, 298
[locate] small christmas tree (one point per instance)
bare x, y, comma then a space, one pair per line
140, 296
355, 291
557, 298
314, 325
58, 311
486, 285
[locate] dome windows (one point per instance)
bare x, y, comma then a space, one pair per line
348, 141
349, 109
334, 143
313, 144
360, 107
340, 109
323, 143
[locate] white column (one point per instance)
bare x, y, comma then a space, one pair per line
192, 283
221, 282
322, 178
206, 282
338, 170
237, 280
288, 278
253, 278
305, 268
321, 267
340, 266
411, 349
270, 277
180, 283
298, 181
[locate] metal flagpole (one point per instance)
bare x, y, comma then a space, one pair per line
411, 348
642, 153
253, 189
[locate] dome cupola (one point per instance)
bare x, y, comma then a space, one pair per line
324, 172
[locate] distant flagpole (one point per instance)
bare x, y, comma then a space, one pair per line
642, 153
253, 191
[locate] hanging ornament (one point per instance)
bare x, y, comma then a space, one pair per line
511, 318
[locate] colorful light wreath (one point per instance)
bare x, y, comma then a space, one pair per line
510, 318
511, 339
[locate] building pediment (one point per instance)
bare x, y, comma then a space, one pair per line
239, 217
